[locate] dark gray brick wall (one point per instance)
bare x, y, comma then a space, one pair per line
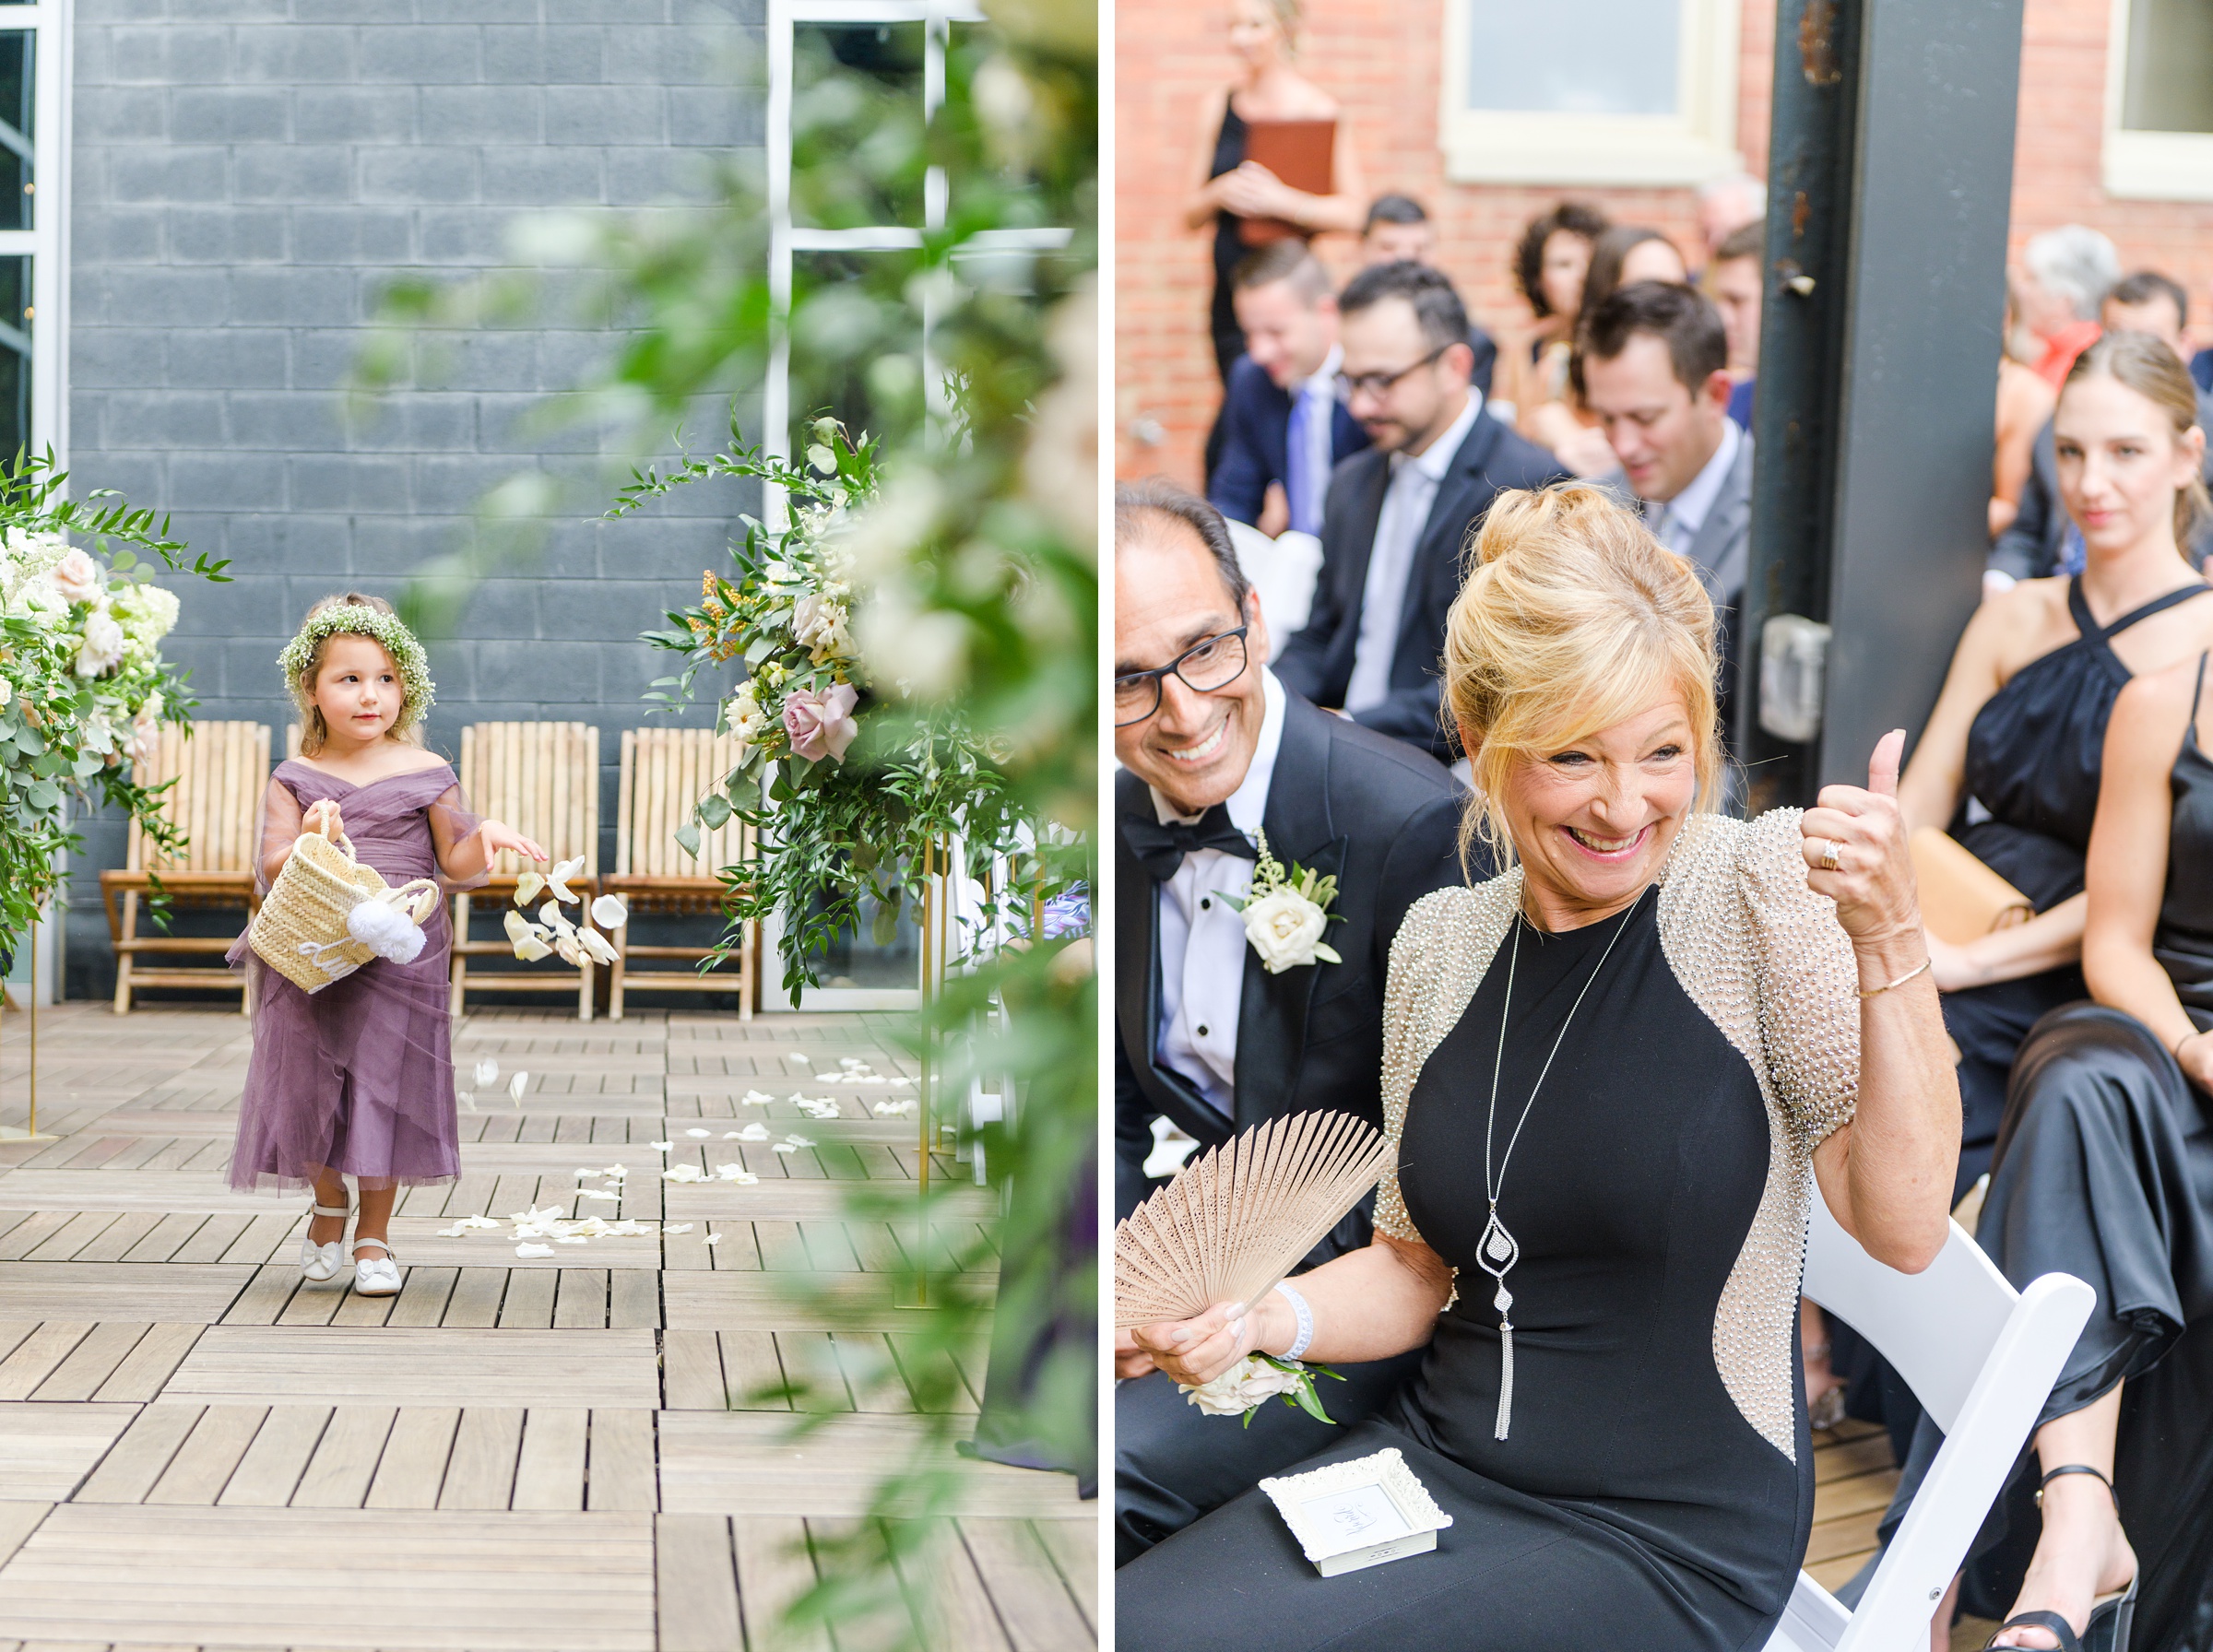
247, 175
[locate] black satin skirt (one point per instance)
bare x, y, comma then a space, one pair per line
2104, 1170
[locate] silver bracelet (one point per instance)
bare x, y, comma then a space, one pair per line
1306, 1320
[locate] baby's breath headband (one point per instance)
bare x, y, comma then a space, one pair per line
354, 620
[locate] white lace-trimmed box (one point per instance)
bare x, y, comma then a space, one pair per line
1354, 1514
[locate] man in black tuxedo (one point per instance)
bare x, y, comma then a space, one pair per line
1398, 515
1214, 751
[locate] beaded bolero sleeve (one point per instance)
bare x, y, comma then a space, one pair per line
1765, 960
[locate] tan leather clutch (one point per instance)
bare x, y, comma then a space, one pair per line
1960, 897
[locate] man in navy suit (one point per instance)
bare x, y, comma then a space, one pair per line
1284, 429
1399, 514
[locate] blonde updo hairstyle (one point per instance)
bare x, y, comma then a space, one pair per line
315, 733
1573, 619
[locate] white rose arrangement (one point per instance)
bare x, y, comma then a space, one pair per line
84, 690
1285, 913
1256, 1379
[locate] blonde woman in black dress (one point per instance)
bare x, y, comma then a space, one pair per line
1633, 1056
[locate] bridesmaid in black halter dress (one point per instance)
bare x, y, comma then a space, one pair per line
1264, 37
2104, 1157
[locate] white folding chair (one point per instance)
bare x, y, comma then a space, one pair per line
1981, 1358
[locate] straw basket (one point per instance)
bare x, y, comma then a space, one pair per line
302, 932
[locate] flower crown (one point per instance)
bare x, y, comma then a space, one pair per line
353, 619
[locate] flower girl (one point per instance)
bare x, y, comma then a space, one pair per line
357, 1079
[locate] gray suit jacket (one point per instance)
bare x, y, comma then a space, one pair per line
1723, 550
1722, 545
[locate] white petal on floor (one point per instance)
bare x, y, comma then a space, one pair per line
488, 1071
696, 1135
534, 1250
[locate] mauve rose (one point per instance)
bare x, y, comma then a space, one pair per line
821, 724
77, 576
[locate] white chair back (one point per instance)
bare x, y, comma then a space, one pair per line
1283, 571
1981, 1358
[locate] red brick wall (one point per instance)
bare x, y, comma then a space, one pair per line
1381, 59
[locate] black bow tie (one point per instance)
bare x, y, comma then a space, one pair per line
1160, 845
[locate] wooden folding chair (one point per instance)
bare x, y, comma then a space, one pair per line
543, 780
220, 769
665, 772
1981, 1358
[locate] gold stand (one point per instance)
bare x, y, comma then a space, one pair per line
31, 1133
934, 869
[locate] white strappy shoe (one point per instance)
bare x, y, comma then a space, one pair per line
320, 1262
375, 1276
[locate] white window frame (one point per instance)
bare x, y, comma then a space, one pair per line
1694, 146
785, 240
47, 246
2146, 166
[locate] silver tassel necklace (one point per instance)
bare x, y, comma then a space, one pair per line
1498, 1250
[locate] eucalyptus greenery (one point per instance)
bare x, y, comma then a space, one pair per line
83, 687
842, 816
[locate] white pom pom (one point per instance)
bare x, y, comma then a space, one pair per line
386, 930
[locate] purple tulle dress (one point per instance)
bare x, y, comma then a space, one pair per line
359, 1076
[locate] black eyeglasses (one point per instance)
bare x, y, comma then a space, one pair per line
1204, 666
1375, 383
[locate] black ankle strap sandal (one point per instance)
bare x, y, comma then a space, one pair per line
2076, 1469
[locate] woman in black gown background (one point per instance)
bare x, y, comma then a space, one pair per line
1680, 1022
2105, 1159
1264, 38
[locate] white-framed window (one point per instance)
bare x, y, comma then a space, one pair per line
34, 242
901, 46
2158, 101
1590, 91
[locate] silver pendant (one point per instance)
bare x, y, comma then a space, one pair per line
1500, 1246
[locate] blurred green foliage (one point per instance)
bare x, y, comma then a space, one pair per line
971, 357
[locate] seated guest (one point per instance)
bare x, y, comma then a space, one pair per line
1727, 205
2063, 276
1282, 427
1734, 282
1399, 230
1399, 514
1652, 365
2105, 1171
1622, 256
2041, 539
2009, 761
2025, 404
1684, 1025
1549, 263
1213, 750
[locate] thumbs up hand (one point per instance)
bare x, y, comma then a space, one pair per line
1854, 844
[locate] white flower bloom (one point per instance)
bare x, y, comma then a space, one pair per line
148, 613
1285, 929
819, 623
745, 717
145, 743
103, 645
7, 692
77, 576
1251, 1381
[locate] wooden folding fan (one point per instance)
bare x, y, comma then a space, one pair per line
1236, 1220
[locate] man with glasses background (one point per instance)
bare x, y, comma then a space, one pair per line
1214, 749
1397, 516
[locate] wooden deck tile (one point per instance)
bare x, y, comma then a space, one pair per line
747, 1463
410, 1579
203, 1452
145, 1292
47, 1449
738, 1299
407, 1365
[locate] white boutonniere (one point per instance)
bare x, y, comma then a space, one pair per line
1285, 913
